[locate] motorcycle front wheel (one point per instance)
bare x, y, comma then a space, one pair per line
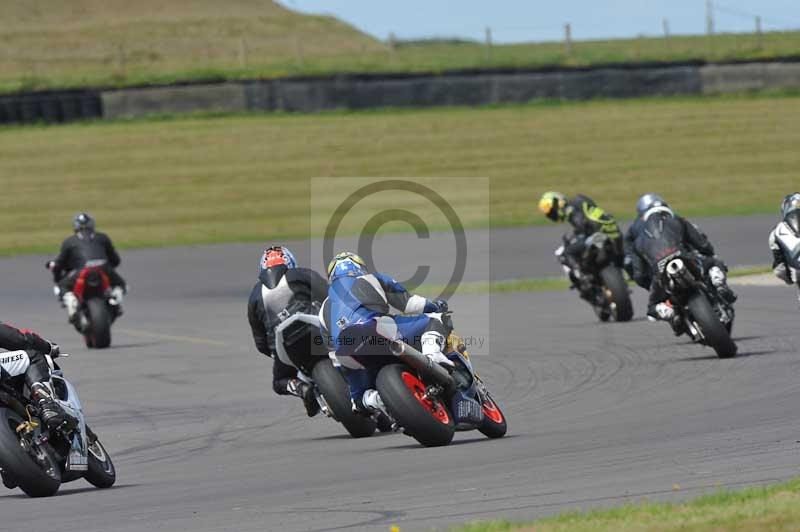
714, 333
494, 421
101, 472
616, 290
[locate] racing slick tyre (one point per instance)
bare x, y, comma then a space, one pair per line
714, 332
494, 421
617, 293
425, 419
99, 333
35, 472
101, 472
334, 389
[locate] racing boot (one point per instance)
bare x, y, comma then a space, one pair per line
305, 392
117, 294
719, 281
51, 412
372, 401
71, 304
433, 343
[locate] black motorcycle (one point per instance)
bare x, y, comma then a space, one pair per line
700, 311
600, 281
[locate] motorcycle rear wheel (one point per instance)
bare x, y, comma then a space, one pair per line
334, 389
425, 419
99, 334
35, 479
714, 332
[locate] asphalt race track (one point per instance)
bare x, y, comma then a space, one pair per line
598, 414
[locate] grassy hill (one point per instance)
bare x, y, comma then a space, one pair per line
47, 43
52, 43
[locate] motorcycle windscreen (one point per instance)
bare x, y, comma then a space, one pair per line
792, 219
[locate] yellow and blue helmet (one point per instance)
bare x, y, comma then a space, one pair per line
346, 264
553, 206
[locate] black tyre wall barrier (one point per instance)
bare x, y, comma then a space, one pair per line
50, 107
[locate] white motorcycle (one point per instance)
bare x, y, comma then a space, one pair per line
38, 459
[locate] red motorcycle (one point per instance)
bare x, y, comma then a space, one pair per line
97, 308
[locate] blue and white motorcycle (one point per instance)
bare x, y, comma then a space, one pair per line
38, 459
427, 401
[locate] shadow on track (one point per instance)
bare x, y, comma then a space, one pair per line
76, 491
414, 445
115, 347
738, 355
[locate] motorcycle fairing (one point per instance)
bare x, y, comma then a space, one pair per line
91, 277
67, 397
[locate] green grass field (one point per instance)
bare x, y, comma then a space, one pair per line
763, 509
246, 178
119, 43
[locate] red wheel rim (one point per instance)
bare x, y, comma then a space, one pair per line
434, 408
491, 411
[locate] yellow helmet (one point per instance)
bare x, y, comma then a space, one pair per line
552, 205
346, 264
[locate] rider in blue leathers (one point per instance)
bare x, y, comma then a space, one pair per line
355, 298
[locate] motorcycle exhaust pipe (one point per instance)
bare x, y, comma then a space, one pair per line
429, 370
675, 267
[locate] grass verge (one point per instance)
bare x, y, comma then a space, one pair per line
543, 284
772, 508
247, 178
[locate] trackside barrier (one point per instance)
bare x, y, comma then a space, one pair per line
50, 107
373, 91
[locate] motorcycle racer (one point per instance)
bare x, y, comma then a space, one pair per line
784, 240
586, 218
84, 246
282, 290
35, 368
657, 233
356, 297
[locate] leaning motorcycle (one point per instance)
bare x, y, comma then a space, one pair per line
97, 309
427, 401
699, 310
601, 282
298, 344
38, 459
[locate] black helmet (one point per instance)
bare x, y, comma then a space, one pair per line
650, 204
83, 223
